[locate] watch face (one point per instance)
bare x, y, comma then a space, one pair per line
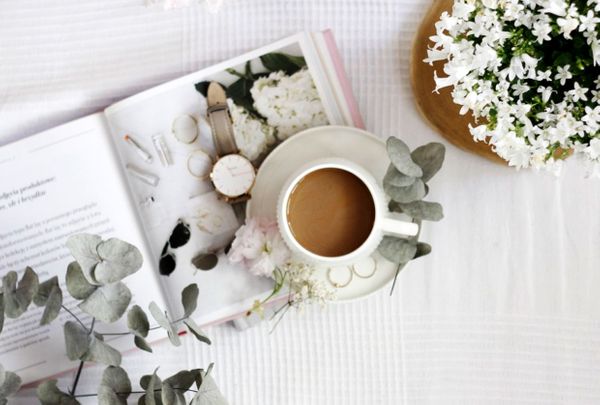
233, 175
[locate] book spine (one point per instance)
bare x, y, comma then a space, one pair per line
343, 79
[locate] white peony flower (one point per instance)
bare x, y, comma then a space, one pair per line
289, 103
259, 247
252, 135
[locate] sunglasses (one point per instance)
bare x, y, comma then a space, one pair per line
180, 236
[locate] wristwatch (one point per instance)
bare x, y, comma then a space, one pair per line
232, 174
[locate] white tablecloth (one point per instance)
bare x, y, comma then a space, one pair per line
506, 307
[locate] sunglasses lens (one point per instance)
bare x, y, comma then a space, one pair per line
180, 235
166, 265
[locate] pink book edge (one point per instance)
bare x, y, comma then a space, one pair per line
343, 79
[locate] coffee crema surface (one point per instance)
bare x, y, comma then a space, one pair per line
331, 212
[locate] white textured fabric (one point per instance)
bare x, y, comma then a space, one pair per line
506, 307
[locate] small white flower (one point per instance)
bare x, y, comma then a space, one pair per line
588, 21
578, 93
546, 93
563, 74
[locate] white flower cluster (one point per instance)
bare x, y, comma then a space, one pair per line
528, 70
289, 103
305, 288
252, 135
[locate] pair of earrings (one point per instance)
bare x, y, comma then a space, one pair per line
352, 271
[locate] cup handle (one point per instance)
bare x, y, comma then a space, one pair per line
394, 226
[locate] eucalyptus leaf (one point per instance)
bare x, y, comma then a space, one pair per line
117, 381
430, 211
423, 249
141, 344
44, 289
196, 331
83, 249
145, 380
208, 393
53, 305
77, 340
106, 396
205, 261
11, 383
397, 250
152, 396
77, 284
399, 154
119, 260
182, 380
170, 396
107, 303
49, 394
137, 321
160, 317
101, 352
414, 192
189, 299
430, 158
18, 297
396, 179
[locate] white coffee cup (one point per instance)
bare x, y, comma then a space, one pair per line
385, 222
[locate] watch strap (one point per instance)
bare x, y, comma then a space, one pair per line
239, 208
220, 120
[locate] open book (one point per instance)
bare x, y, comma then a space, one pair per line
87, 177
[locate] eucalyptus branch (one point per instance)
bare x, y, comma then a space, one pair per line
81, 363
174, 323
135, 392
76, 317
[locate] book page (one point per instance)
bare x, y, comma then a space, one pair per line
172, 117
61, 182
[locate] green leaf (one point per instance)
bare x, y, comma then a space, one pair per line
117, 384
205, 261
152, 397
83, 249
137, 321
53, 305
170, 397
18, 297
202, 87
141, 343
430, 211
49, 394
9, 383
276, 61
414, 192
399, 154
108, 303
77, 340
119, 260
101, 352
106, 396
182, 380
396, 179
160, 317
44, 289
196, 331
423, 249
208, 393
397, 250
430, 158
189, 299
77, 284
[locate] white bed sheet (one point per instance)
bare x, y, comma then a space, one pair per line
506, 307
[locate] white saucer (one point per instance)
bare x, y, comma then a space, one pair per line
330, 141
